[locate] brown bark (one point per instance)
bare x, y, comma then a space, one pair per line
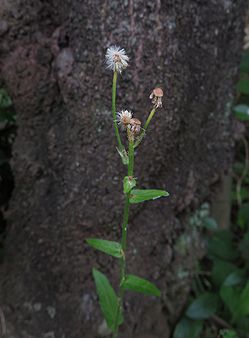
67, 173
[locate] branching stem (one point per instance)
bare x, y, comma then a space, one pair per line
123, 240
141, 136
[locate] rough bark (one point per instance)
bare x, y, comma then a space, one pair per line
67, 173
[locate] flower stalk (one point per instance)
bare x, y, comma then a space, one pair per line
124, 235
114, 93
141, 136
110, 302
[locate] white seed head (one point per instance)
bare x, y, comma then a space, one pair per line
124, 118
116, 59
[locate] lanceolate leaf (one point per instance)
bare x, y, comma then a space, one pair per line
134, 283
203, 307
107, 299
243, 306
111, 248
188, 328
141, 195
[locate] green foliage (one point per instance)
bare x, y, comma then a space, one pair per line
228, 334
134, 283
243, 86
111, 248
188, 328
220, 270
107, 299
141, 195
242, 112
221, 246
243, 216
203, 307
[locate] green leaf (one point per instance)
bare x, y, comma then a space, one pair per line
243, 86
111, 248
234, 278
220, 270
228, 334
128, 183
230, 296
243, 215
123, 155
210, 223
188, 328
141, 195
134, 283
203, 307
241, 111
107, 299
244, 64
244, 195
221, 246
243, 304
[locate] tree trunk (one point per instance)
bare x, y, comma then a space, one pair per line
68, 175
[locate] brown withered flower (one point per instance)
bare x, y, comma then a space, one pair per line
135, 126
156, 97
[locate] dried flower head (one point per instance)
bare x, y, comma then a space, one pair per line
135, 126
124, 118
116, 59
156, 97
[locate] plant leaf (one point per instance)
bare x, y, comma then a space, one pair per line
244, 64
107, 299
188, 328
203, 307
111, 248
243, 215
141, 195
241, 111
243, 86
221, 246
128, 184
230, 296
134, 283
220, 270
234, 278
243, 304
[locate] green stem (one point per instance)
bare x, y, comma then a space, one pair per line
114, 91
124, 240
141, 136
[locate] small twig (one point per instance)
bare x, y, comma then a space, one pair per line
244, 173
221, 322
3, 323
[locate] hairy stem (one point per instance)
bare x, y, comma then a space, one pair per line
141, 136
124, 240
114, 91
